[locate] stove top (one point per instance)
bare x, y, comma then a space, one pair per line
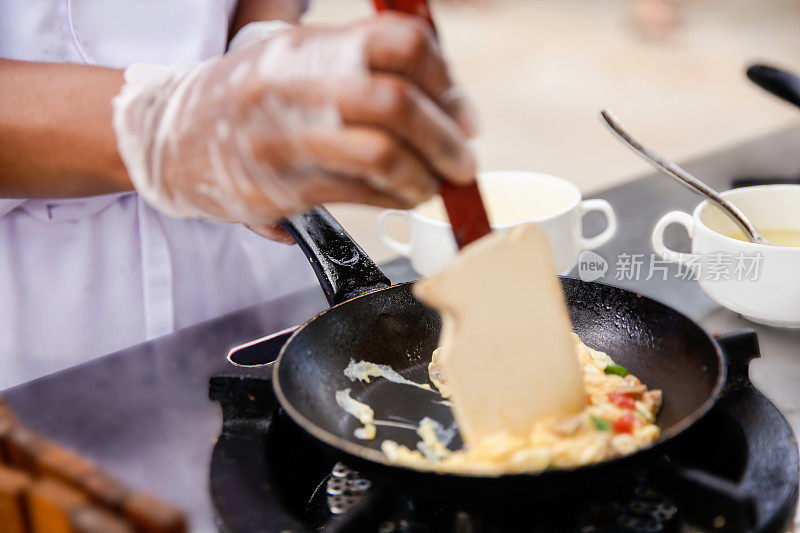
737, 471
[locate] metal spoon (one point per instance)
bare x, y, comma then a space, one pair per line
682, 176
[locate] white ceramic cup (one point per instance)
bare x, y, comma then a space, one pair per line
512, 197
770, 295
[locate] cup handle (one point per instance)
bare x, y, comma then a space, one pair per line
604, 236
673, 217
402, 248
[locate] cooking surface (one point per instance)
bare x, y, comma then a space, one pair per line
144, 413
266, 472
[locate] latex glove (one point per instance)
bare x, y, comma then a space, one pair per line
365, 113
252, 32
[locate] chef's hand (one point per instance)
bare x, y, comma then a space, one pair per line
367, 113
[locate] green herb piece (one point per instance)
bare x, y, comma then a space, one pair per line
601, 424
618, 370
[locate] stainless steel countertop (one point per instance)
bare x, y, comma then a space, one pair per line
143, 413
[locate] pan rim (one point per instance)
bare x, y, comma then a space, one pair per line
378, 457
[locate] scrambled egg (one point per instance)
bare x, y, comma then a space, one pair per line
435, 375
363, 370
361, 411
619, 419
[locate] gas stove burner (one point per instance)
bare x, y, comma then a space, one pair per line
345, 488
643, 510
646, 510
738, 471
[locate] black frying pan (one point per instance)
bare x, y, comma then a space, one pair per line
372, 321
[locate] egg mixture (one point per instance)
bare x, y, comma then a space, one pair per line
619, 419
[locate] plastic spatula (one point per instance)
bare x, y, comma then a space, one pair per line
463, 203
506, 352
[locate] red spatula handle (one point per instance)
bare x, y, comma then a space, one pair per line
464, 204
412, 7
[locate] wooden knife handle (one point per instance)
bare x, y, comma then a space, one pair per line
463, 204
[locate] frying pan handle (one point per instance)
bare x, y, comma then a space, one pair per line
779, 82
343, 269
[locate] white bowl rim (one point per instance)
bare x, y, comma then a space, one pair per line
532, 174
753, 188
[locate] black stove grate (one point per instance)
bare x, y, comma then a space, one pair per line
738, 471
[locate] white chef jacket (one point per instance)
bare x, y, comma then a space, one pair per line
83, 277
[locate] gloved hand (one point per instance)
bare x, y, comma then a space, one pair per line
365, 113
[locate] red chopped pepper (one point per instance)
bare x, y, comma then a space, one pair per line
624, 424
623, 401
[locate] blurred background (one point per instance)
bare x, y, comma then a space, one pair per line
538, 72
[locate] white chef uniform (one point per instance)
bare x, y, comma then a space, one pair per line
83, 277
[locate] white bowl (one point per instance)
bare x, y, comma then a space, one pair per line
770, 294
515, 197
